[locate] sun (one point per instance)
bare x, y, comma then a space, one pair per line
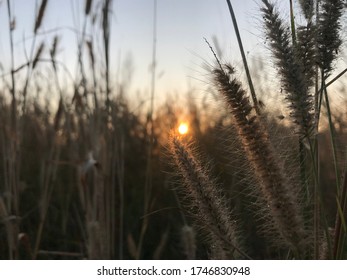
183, 128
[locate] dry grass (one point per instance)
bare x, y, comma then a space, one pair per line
298, 226
208, 203
84, 179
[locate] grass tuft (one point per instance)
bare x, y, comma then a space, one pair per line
40, 15
210, 207
277, 191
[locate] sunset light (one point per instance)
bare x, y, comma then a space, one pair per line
173, 130
183, 128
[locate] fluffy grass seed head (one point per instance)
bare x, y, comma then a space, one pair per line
276, 190
295, 82
212, 214
40, 15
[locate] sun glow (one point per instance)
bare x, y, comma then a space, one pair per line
183, 128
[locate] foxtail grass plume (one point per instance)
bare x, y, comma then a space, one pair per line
328, 35
40, 15
277, 191
88, 6
38, 54
205, 198
307, 7
295, 83
89, 44
306, 52
53, 51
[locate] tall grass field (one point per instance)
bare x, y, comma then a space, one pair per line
85, 174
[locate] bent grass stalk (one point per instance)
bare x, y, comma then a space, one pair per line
215, 218
277, 191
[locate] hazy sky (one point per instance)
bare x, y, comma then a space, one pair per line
181, 27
